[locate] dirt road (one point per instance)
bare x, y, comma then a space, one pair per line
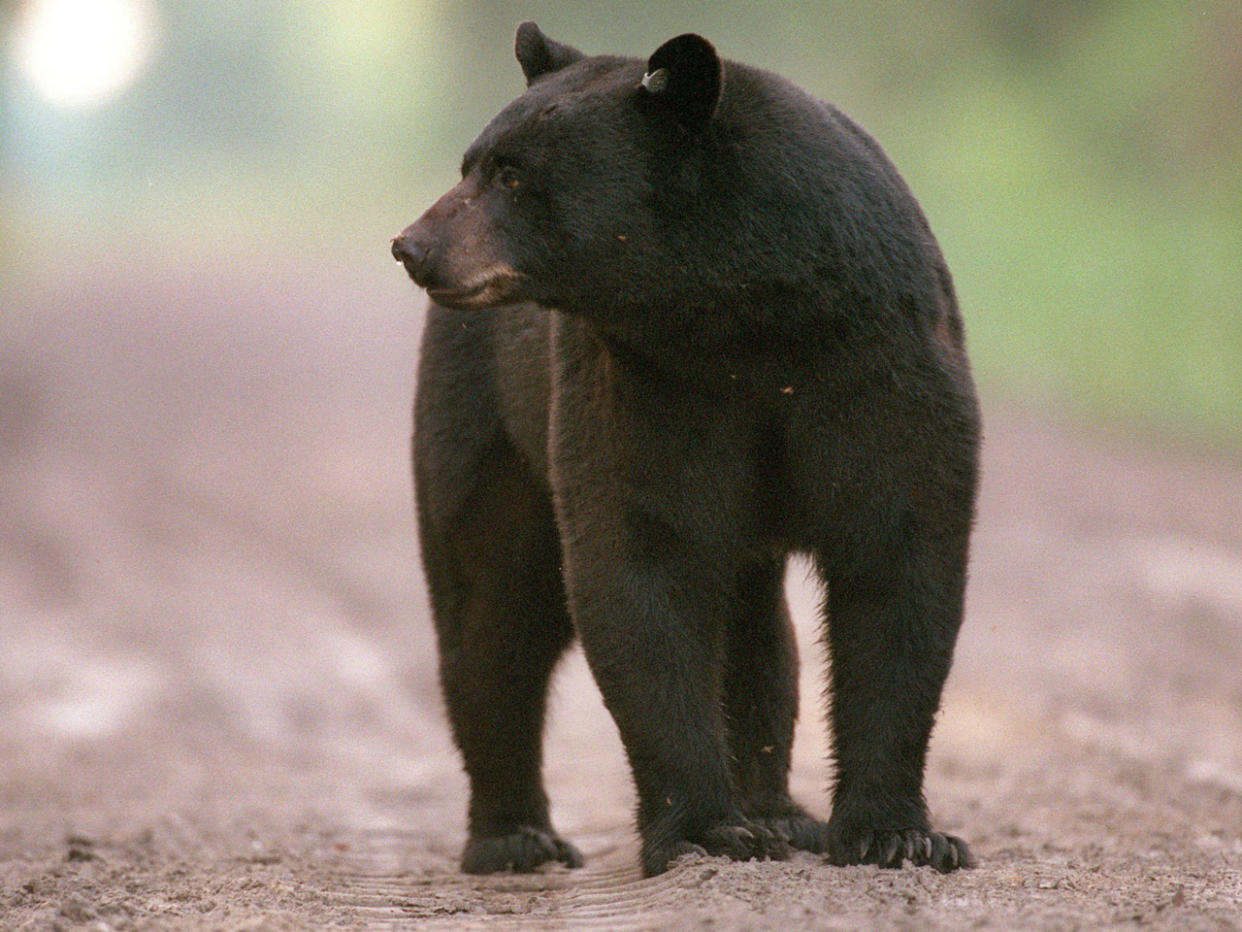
217, 696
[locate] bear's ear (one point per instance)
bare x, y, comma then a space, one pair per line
538, 55
684, 79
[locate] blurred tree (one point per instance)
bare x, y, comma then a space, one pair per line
1079, 160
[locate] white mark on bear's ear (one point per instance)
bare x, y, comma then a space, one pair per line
684, 81
538, 55
654, 82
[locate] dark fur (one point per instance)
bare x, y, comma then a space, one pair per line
683, 327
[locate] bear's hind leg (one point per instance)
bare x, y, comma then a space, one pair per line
501, 620
761, 706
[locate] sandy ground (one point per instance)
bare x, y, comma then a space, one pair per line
217, 698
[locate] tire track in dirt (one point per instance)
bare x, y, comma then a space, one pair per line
377, 887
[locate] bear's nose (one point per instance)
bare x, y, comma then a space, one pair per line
417, 251
411, 253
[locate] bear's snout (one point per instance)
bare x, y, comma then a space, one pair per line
414, 252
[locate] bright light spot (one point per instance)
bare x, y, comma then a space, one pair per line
81, 53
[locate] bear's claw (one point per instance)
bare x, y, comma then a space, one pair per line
520, 852
743, 841
802, 832
893, 848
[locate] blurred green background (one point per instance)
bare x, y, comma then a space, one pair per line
1081, 162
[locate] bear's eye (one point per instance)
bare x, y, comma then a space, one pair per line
509, 177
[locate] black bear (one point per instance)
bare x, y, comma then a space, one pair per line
686, 321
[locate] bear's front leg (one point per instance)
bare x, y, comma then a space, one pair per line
892, 623
652, 634
659, 515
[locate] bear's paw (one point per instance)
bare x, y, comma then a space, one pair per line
520, 852
741, 841
891, 849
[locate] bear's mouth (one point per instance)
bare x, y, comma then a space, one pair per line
499, 286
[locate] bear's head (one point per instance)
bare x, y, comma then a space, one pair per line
580, 192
